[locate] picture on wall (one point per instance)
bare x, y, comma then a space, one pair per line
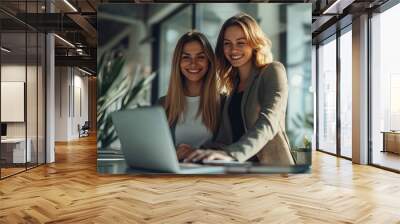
12, 98
204, 88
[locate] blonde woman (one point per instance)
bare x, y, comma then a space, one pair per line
192, 102
253, 118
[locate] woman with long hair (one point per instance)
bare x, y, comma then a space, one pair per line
192, 102
253, 118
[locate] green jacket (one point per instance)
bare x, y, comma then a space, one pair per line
263, 109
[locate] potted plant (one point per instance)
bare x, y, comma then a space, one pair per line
118, 88
303, 154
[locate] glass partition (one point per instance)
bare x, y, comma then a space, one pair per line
13, 108
22, 90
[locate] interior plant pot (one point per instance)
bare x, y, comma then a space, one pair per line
302, 155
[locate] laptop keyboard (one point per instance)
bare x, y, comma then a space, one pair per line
189, 165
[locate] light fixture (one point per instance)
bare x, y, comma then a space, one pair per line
5, 50
84, 71
337, 7
65, 41
70, 5
331, 7
79, 51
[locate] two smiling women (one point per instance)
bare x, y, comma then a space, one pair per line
250, 125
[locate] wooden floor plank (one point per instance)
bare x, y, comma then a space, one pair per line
70, 191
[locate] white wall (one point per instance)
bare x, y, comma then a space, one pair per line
70, 83
62, 81
16, 73
79, 117
33, 126
13, 72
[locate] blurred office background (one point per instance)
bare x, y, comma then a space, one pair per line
147, 35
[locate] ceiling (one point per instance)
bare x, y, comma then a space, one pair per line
76, 22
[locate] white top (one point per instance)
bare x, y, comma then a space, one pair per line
190, 128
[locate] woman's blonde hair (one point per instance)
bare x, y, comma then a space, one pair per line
175, 102
257, 40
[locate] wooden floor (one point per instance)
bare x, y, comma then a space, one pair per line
10, 171
387, 159
70, 191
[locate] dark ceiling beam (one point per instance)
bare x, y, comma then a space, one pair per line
329, 14
333, 17
320, 23
81, 61
85, 50
86, 26
337, 7
325, 18
22, 21
80, 20
331, 29
48, 22
91, 5
63, 7
11, 25
54, 22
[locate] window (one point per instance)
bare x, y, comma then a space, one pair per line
210, 17
385, 86
346, 94
170, 31
327, 96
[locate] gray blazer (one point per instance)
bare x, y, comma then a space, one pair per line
263, 109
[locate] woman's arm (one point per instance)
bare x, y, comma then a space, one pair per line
273, 93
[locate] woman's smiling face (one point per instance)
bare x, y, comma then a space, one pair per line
236, 47
193, 62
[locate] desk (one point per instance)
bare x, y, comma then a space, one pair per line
391, 141
119, 166
15, 148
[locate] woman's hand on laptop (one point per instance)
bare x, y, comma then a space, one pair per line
207, 154
183, 151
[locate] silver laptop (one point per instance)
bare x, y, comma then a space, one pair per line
147, 144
